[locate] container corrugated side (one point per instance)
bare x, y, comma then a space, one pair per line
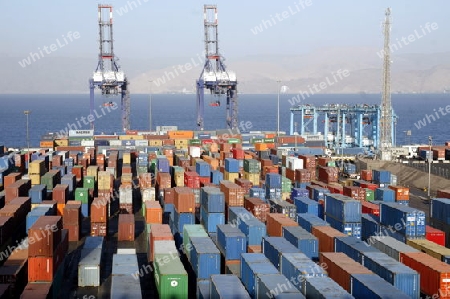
189, 231
124, 264
353, 248
391, 246
211, 220
440, 209
125, 286
253, 264
203, 289
400, 276
253, 229
323, 287
405, 220
370, 226
231, 241
275, 284
373, 286
205, 257
274, 247
306, 205
298, 266
89, 268
303, 240
442, 253
343, 208
170, 277
93, 242
308, 221
227, 286
352, 229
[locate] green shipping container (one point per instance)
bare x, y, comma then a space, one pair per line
195, 142
82, 194
234, 140
257, 140
142, 169
286, 184
170, 277
48, 180
269, 140
252, 166
189, 231
331, 164
89, 182
370, 195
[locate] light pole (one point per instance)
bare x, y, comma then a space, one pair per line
430, 140
150, 106
27, 112
295, 125
278, 108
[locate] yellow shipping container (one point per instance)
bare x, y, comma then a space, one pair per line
35, 179
131, 137
435, 250
179, 179
252, 177
127, 178
62, 142
46, 144
155, 142
126, 158
92, 171
37, 167
285, 195
230, 176
104, 180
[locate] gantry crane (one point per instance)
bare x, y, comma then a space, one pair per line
214, 75
108, 77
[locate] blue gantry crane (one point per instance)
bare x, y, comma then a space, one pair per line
108, 77
214, 76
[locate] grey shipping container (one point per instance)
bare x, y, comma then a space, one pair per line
124, 264
227, 286
323, 287
390, 246
89, 268
274, 284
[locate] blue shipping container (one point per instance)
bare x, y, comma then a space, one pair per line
273, 180
253, 264
323, 287
400, 276
213, 200
203, 169
353, 248
342, 208
253, 229
308, 221
236, 214
211, 220
274, 247
205, 257
303, 240
370, 226
373, 286
385, 194
405, 220
38, 193
299, 192
227, 286
216, 177
231, 165
258, 192
318, 193
34, 215
203, 289
231, 242
381, 176
180, 219
306, 205
440, 209
352, 229
163, 165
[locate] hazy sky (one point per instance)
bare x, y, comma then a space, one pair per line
170, 28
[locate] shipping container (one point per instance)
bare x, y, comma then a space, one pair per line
99, 210
205, 257
298, 266
323, 287
89, 267
125, 286
227, 286
439, 252
274, 247
126, 230
342, 208
385, 194
401, 193
440, 209
276, 222
372, 286
306, 205
381, 176
308, 221
354, 248
231, 241
326, 236
405, 220
253, 229
283, 207
211, 220
253, 264
46, 232
391, 246
170, 277
181, 219
275, 284
212, 200
303, 240
435, 235
370, 226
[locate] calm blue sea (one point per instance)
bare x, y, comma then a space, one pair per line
52, 113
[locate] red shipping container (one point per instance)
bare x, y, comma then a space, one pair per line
266, 162
257, 207
238, 154
370, 208
326, 235
357, 193
340, 268
169, 196
336, 188
99, 229
74, 232
328, 174
44, 236
275, 223
126, 227
60, 193
434, 274
303, 176
234, 194
435, 235
366, 175
323, 161
443, 193
72, 213
11, 178
191, 179
153, 212
369, 186
99, 210
184, 200
309, 162
290, 174
17, 189
158, 232
204, 180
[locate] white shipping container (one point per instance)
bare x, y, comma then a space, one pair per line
295, 163
148, 194
115, 142
81, 133
112, 170
195, 151
165, 246
126, 195
89, 267
141, 142
87, 143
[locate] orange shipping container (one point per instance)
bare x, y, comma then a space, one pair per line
401, 193
11, 179
158, 232
99, 210
434, 274
164, 180
340, 268
126, 227
153, 212
180, 134
276, 222
261, 146
254, 249
303, 175
326, 235
366, 175
257, 207
99, 229
184, 200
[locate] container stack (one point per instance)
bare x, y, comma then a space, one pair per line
252, 169
20, 188
254, 265
184, 212
303, 240
258, 207
344, 214
36, 169
72, 220
204, 171
99, 217
401, 194
381, 177
439, 216
253, 229
212, 211
328, 174
231, 242
47, 253
82, 195
357, 193
309, 163
126, 198
90, 264
231, 171
60, 194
